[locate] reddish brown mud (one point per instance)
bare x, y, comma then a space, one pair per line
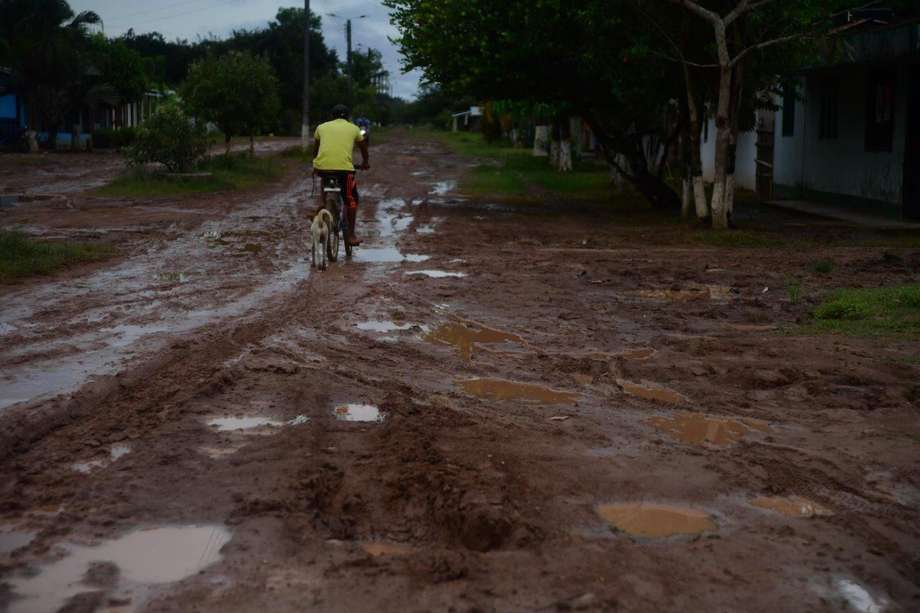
199, 383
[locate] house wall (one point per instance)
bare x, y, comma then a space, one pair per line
841, 165
745, 156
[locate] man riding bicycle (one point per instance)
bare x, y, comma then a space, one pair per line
333, 145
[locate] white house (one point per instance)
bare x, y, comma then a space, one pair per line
850, 135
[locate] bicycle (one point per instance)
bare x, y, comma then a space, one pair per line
334, 201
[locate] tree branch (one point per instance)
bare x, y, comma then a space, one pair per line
768, 43
690, 5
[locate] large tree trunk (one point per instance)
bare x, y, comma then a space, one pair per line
252, 146
723, 142
737, 90
540, 141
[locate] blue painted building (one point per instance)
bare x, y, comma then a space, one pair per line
12, 113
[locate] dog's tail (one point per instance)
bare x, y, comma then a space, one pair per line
326, 217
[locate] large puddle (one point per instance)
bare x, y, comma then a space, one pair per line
687, 294
464, 337
437, 274
386, 255
792, 506
653, 392
383, 326
11, 540
359, 412
126, 567
233, 424
501, 389
656, 520
701, 429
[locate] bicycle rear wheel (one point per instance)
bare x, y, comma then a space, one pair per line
346, 237
332, 242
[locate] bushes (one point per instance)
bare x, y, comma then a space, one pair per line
109, 138
171, 138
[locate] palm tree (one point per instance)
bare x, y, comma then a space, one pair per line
44, 44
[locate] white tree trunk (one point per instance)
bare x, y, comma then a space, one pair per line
563, 161
699, 197
541, 141
32, 140
730, 195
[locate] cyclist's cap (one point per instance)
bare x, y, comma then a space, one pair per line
340, 110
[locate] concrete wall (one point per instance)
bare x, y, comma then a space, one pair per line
746, 154
841, 165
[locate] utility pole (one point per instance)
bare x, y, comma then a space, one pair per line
305, 122
348, 57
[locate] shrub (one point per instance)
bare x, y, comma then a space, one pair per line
169, 137
110, 138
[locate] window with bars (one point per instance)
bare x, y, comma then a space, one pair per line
828, 122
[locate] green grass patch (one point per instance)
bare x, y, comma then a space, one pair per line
21, 256
822, 267
737, 238
871, 312
235, 172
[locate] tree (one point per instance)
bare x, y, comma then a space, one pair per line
237, 92
169, 137
580, 54
750, 44
46, 46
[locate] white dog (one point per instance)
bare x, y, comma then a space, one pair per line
320, 230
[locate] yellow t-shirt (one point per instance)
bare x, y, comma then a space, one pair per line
337, 140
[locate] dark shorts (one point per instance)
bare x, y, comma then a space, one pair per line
347, 181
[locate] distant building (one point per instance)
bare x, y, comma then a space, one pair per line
469, 120
12, 116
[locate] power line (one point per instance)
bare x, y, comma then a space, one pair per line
173, 16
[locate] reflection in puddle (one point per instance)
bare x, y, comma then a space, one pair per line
651, 392
464, 337
425, 229
172, 277
11, 540
694, 292
792, 506
218, 453
501, 389
655, 520
701, 429
119, 451
386, 255
443, 187
383, 326
859, 598
143, 558
359, 412
226, 424
87, 467
437, 274
387, 549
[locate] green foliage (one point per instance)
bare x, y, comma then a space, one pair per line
109, 138
169, 137
222, 173
21, 256
794, 290
822, 267
238, 92
871, 311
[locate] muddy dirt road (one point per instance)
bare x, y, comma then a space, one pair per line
492, 408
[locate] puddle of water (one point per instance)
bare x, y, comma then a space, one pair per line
501, 389
382, 326
652, 392
656, 520
298, 421
637, 355
118, 451
464, 337
144, 558
792, 506
387, 549
172, 277
437, 274
701, 429
6, 328
227, 424
11, 540
425, 229
359, 412
859, 598
386, 255
87, 467
701, 292
442, 188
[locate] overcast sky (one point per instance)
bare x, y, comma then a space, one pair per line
193, 18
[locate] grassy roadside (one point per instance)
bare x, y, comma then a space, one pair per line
883, 311
21, 256
239, 171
